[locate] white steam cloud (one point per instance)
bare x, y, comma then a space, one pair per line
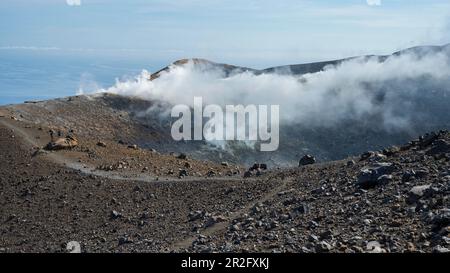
356, 89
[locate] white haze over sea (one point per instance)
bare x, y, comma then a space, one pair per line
353, 90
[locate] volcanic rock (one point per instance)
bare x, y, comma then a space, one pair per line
306, 160
62, 143
73, 247
375, 175
417, 192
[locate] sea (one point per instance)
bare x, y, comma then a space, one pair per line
36, 75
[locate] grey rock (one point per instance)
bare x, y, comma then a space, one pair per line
323, 247
195, 215
440, 249
374, 247
417, 192
115, 214
234, 228
313, 238
73, 247
124, 240
375, 175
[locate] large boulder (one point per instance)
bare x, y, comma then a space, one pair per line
375, 175
67, 142
307, 160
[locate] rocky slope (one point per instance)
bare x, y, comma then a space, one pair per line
393, 200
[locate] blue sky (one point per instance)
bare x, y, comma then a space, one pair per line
253, 33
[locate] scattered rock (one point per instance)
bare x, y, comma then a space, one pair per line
323, 247
195, 215
214, 219
125, 240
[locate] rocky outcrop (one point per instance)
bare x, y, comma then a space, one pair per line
67, 142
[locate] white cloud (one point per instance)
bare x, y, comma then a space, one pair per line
355, 89
374, 2
73, 2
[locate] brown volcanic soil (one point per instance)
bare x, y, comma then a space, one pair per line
50, 198
46, 203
